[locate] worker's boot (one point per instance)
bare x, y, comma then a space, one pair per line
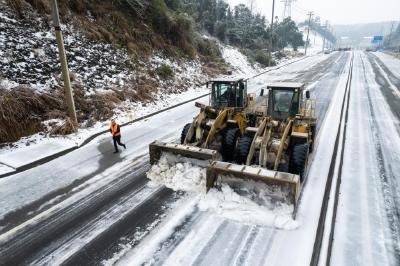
116, 151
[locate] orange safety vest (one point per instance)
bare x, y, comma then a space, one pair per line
114, 130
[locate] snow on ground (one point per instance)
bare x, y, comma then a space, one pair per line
367, 230
144, 254
239, 62
91, 160
95, 163
5, 169
95, 66
391, 62
316, 41
30, 56
300, 242
393, 87
253, 203
32, 148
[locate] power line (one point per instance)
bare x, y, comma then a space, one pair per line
301, 9
287, 11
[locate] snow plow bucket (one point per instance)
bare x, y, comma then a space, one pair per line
218, 170
157, 148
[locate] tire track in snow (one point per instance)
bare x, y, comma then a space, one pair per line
388, 83
246, 247
390, 186
36, 234
208, 246
261, 246
362, 235
320, 232
222, 248
178, 236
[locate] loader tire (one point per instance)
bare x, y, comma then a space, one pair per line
243, 149
228, 144
311, 145
184, 133
299, 159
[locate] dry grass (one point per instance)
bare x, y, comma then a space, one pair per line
20, 113
22, 110
67, 127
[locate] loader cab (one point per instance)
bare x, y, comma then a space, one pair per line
228, 93
284, 100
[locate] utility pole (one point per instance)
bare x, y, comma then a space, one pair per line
251, 6
272, 28
390, 35
64, 65
310, 14
325, 30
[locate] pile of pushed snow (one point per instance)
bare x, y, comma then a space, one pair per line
247, 201
179, 173
254, 203
239, 62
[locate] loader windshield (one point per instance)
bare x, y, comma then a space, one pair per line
222, 95
282, 100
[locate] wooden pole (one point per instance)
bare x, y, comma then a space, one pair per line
64, 64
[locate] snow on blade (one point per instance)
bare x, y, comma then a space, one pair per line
249, 203
254, 203
179, 173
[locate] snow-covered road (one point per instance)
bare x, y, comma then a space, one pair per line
92, 206
214, 240
37, 186
367, 230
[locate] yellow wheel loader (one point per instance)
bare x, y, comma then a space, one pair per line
213, 134
276, 149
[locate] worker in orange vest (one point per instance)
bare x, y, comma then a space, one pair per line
116, 133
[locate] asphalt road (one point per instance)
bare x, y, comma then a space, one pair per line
111, 206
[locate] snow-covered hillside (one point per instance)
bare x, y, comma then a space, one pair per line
132, 84
316, 41
239, 62
29, 58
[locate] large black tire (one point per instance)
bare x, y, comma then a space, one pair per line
299, 159
313, 131
243, 149
184, 133
228, 144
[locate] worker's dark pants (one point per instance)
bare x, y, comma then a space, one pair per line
117, 139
